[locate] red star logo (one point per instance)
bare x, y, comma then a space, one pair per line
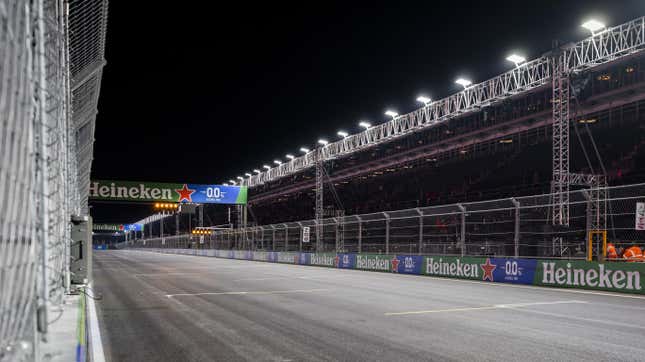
488, 270
184, 194
337, 260
395, 265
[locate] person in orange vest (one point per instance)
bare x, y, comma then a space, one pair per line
633, 253
611, 252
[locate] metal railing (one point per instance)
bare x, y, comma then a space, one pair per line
512, 227
42, 163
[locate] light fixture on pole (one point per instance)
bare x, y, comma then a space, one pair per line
516, 59
423, 99
323, 142
304, 150
277, 162
256, 170
342, 134
463, 82
391, 113
232, 181
365, 124
248, 174
240, 178
594, 26
289, 156
267, 167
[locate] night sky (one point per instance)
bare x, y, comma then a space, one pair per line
205, 93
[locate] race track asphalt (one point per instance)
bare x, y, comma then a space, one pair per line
161, 307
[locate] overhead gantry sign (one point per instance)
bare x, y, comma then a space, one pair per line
167, 192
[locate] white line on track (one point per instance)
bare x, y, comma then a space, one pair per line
486, 307
249, 292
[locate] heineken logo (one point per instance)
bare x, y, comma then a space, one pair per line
591, 275
372, 262
453, 267
134, 191
322, 259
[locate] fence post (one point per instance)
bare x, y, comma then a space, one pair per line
299, 236
387, 232
462, 235
286, 237
360, 233
420, 230
273, 237
516, 236
336, 236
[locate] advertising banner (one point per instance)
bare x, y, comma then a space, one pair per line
373, 262
614, 276
518, 271
407, 264
345, 261
107, 227
133, 227
458, 267
167, 192
323, 259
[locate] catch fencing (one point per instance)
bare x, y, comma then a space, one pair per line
513, 227
41, 133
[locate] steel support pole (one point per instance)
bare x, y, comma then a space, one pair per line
163, 240
336, 241
360, 233
273, 237
319, 200
286, 237
300, 238
516, 235
420, 250
462, 234
387, 232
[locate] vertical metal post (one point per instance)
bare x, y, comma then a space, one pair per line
286, 237
319, 200
177, 224
336, 236
273, 237
560, 148
516, 235
360, 233
201, 215
300, 237
420, 250
387, 233
462, 234
163, 240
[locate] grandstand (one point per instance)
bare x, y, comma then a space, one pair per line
492, 141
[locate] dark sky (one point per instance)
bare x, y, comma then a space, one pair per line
203, 93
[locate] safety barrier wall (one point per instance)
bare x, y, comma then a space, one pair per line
611, 276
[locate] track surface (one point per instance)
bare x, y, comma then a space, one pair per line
150, 311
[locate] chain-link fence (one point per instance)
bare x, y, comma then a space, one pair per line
39, 160
513, 227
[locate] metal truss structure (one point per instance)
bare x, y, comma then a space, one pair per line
602, 48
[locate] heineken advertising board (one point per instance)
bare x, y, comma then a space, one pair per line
612, 276
167, 192
117, 227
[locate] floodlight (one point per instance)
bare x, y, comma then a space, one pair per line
517, 59
289, 156
304, 150
463, 82
391, 113
256, 170
240, 178
323, 141
594, 26
277, 162
342, 134
248, 174
267, 167
424, 100
365, 124
232, 181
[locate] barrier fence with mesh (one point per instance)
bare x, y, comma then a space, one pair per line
513, 227
41, 173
